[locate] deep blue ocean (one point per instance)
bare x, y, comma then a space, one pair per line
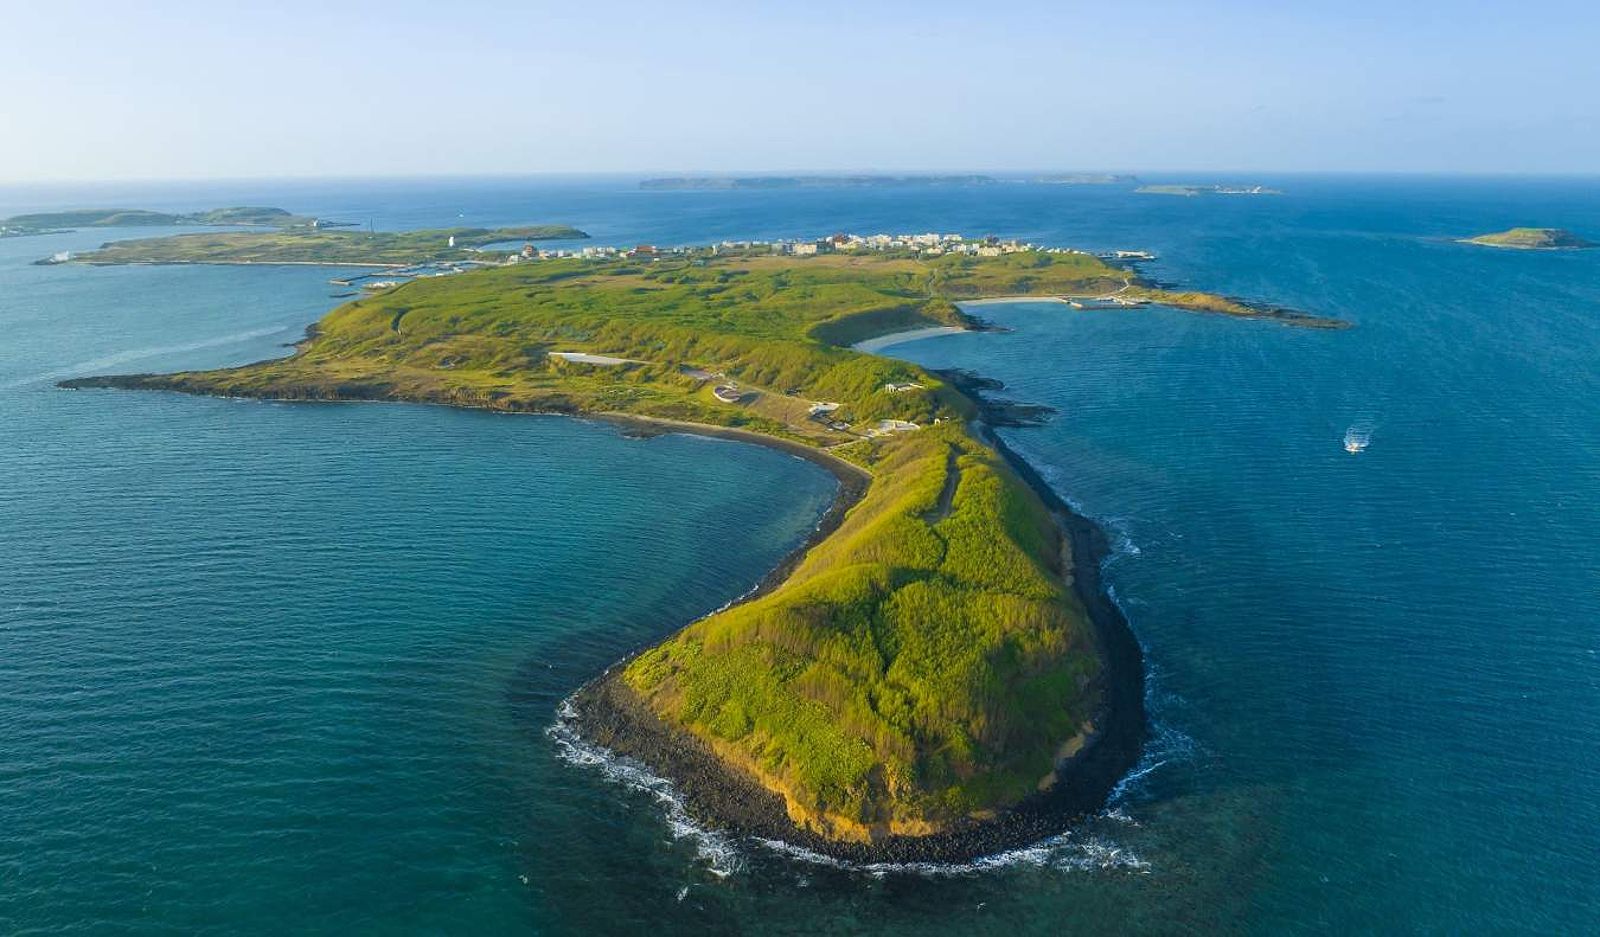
271, 668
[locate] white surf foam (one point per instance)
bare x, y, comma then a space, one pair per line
716, 849
1166, 747
1073, 850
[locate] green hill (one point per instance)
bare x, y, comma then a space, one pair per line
40, 222
318, 245
1531, 239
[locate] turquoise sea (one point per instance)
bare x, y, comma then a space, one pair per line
271, 668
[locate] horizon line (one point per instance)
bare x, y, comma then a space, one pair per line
758, 173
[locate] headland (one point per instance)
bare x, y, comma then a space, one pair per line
56, 222
937, 673
320, 245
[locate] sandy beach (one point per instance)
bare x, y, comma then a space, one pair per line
999, 300
874, 345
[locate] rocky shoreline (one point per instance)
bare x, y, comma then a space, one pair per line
608, 713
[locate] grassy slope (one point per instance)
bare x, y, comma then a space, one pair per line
303, 245
1531, 239
122, 217
924, 663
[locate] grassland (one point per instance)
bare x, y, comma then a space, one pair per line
43, 222
1531, 239
318, 245
926, 665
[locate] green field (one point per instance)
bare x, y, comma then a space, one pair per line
319, 245
925, 663
1531, 239
40, 222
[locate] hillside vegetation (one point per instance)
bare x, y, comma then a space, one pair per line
318, 245
1532, 239
133, 217
926, 663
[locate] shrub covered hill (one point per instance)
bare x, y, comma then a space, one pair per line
925, 664
321, 245
1532, 239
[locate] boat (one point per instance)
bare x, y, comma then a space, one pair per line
1355, 440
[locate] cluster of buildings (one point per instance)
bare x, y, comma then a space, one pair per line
926, 245
529, 252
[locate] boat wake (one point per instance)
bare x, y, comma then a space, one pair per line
1085, 848
1358, 437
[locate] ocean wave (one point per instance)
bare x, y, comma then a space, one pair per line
1167, 747
1119, 531
1070, 851
718, 850
1078, 849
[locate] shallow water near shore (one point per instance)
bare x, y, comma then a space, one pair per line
270, 667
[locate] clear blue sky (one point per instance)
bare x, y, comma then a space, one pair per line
218, 89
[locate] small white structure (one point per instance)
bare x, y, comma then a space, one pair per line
583, 357
885, 427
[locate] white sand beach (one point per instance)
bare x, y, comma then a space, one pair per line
872, 345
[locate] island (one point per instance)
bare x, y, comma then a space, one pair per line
1191, 190
1532, 239
1086, 178
937, 673
57, 222
798, 182
317, 245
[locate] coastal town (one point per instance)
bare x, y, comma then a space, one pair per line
923, 245
928, 245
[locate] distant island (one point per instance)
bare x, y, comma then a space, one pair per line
1531, 239
1086, 178
58, 221
1193, 190
795, 182
320, 246
937, 673
876, 181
